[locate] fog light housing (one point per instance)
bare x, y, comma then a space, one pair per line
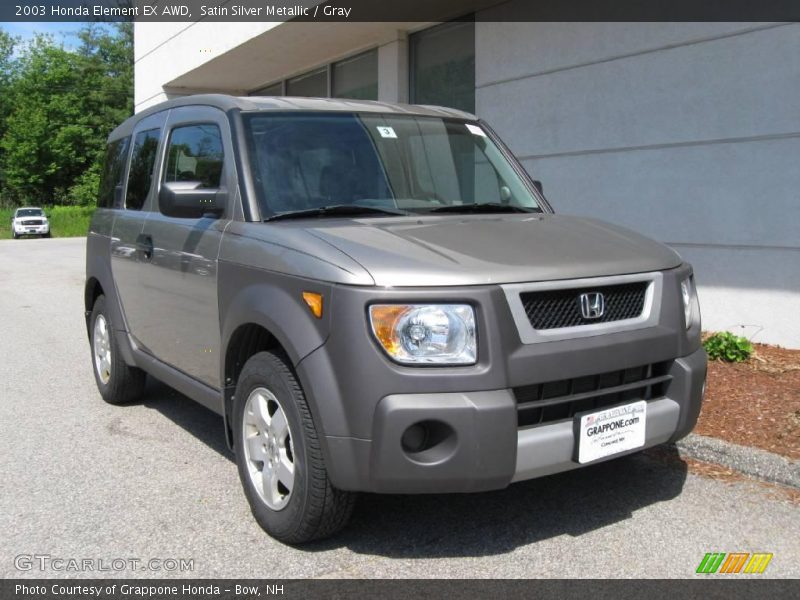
414, 438
429, 442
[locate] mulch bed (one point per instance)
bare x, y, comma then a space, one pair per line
755, 403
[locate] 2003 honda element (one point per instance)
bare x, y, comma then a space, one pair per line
377, 298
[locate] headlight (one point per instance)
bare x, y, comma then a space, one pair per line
426, 333
688, 294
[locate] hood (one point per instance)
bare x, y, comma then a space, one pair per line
486, 249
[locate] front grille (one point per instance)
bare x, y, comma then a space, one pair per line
559, 400
32, 222
552, 309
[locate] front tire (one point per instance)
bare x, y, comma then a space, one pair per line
117, 382
279, 457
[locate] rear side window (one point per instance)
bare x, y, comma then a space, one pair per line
141, 172
195, 154
113, 170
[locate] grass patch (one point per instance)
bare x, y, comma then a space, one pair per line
65, 221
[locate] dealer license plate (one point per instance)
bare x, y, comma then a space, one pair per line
610, 431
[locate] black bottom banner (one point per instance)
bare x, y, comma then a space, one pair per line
229, 589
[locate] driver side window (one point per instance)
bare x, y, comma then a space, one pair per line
195, 154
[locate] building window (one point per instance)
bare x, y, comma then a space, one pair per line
275, 89
314, 84
356, 77
442, 69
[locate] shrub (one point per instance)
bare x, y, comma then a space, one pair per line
728, 347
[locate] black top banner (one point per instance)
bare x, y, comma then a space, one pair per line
399, 10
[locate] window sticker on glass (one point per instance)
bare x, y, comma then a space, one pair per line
475, 130
387, 132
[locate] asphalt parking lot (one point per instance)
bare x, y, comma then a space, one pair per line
82, 479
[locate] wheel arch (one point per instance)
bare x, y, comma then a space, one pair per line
100, 281
91, 292
266, 316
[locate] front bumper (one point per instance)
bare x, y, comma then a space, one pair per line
480, 446
363, 403
31, 229
550, 449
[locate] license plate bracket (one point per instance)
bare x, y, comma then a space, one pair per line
609, 431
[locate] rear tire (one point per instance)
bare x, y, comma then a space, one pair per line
279, 457
117, 382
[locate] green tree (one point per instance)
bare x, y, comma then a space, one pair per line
107, 69
45, 134
61, 105
7, 71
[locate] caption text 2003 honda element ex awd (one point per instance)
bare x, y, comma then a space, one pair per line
377, 298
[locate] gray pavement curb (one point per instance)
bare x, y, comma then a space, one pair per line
753, 462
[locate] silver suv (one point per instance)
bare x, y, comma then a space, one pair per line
29, 220
377, 298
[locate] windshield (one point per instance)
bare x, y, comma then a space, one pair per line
30, 212
303, 161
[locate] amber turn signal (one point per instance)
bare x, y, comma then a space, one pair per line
314, 302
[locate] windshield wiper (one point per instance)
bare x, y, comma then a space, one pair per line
484, 207
336, 210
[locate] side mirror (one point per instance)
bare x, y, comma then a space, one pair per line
187, 200
538, 185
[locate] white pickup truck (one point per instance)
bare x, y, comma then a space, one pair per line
30, 220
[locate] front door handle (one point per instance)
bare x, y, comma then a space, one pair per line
144, 244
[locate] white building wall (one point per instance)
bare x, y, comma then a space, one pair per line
164, 51
689, 133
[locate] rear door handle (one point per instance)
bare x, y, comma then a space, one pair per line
144, 244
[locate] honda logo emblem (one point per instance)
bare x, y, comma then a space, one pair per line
593, 305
